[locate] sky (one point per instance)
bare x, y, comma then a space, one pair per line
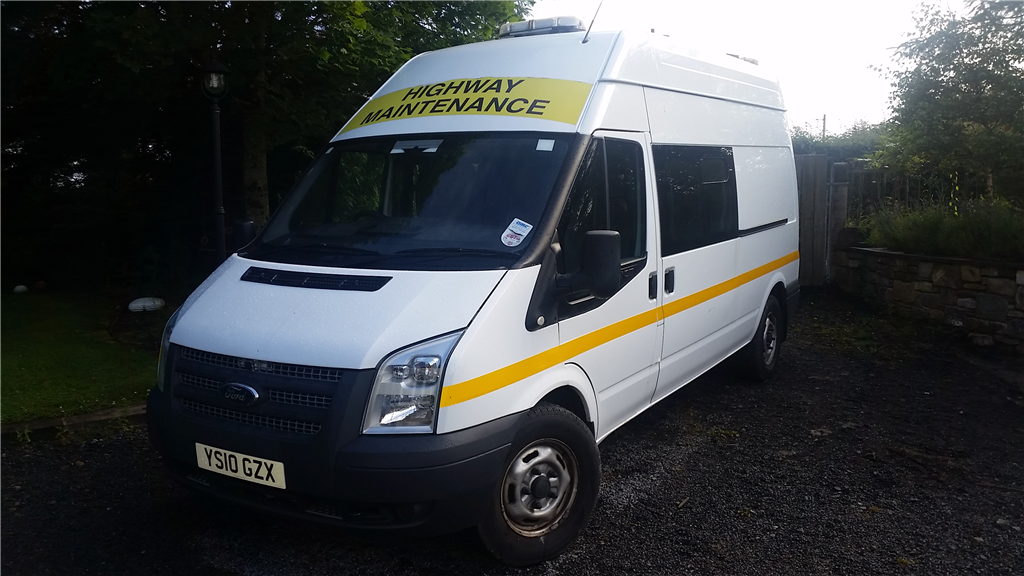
821, 51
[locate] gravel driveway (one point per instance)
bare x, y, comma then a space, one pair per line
881, 448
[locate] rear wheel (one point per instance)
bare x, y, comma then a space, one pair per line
547, 491
762, 352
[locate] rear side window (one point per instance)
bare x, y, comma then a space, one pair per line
696, 196
608, 194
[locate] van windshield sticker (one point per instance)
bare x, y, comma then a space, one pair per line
425, 145
544, 98
544, 145
516, 232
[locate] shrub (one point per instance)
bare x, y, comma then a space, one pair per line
991, 229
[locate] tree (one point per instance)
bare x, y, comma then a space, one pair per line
958, 99
106, 141
859, 141
298, 69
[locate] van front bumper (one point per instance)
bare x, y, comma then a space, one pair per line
421, 484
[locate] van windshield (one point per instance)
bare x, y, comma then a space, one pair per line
463, 201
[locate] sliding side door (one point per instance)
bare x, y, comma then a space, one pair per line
696, 190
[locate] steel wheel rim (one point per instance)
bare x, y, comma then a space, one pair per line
769, 339
539, 487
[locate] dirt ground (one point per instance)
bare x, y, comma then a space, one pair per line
883, 446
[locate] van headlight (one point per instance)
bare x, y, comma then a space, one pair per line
163, 366
163, 374
407, 388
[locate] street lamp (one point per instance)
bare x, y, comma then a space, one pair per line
215, 86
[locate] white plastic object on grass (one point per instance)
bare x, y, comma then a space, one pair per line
147, 304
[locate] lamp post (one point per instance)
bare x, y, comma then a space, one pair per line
215, 86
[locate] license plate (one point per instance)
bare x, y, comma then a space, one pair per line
241, 466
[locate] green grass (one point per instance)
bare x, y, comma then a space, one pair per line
975, 229
59, 357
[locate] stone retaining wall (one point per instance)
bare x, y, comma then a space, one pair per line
984, 298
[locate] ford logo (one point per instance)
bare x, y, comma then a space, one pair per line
240, 393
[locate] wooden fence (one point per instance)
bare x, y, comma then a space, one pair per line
823, 210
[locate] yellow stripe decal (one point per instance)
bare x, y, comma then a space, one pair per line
476, 387
706, 294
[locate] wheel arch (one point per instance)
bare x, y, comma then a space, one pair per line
776, 286
569, 397
778, 290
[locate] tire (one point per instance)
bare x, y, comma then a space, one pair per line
554, 453
761, 354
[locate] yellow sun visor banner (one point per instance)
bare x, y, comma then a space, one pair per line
544, 98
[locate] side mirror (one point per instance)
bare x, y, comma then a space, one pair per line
599, 265
245, 232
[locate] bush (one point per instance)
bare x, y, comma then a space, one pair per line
992, 229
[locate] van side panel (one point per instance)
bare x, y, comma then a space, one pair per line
684, 119
766, 185
683, 366
615, 107
713, 75
757, 249
766, 182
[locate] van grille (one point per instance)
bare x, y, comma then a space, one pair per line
200, 382
271, 422
279, 396
300, 399
275, 368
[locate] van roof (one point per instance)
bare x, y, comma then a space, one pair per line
543, 82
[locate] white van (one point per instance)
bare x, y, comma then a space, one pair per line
511, 250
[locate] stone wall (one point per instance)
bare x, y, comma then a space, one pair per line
984, 298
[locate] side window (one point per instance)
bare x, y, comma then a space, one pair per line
696, 196
608, 194
627, 210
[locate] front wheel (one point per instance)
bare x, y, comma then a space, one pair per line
547, 491
762, 352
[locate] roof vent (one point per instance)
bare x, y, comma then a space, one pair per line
555, 25
744, 58
312, 280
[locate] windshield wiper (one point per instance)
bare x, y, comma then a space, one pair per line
324, 247
456, 250
346, 249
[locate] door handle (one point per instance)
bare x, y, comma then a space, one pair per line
652, 286
670, 280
